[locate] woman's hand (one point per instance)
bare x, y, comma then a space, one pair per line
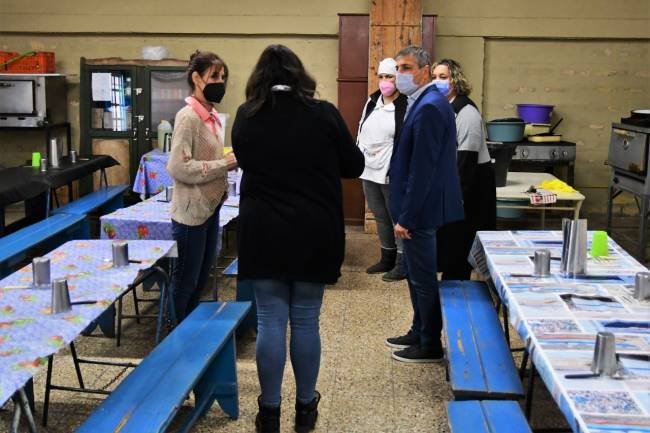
231, 161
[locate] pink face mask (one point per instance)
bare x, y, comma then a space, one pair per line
386, 87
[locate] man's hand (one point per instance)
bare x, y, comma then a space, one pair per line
401, 232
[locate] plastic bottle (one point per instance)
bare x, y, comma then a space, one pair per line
164, 127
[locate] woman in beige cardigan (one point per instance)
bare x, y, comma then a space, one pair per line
199, 169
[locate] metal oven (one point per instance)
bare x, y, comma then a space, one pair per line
628, 157
32, 100
629, 161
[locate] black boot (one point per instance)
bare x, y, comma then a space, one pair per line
386, 262
268, 418
397, 273
306, 415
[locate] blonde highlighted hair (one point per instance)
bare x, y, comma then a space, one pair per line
456, 75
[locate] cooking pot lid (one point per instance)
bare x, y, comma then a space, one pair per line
639, 117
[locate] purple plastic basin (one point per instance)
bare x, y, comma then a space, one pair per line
535, 113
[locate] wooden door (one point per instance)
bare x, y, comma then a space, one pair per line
352, 95
353, 91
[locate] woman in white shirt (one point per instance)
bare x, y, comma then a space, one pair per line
380, 123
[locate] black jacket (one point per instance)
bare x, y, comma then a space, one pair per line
479, 202
291, 210
400, 103
477, 182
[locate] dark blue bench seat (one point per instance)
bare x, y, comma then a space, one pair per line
479, 362
50, 232
486, 417
106, 200
199, 355
231, 269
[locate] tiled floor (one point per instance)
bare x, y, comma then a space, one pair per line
363, 389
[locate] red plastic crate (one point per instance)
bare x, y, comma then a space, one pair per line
4, 56
41, 62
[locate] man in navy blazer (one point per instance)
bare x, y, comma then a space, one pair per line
425, 194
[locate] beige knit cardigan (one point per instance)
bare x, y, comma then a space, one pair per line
197, 164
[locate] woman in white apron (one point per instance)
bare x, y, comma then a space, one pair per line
380, 123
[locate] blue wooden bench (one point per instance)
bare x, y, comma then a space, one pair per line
49, 232
479, 363
231, 269
486, 417
106, 200
198, 355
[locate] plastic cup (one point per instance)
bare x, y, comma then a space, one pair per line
599, 244
36, 159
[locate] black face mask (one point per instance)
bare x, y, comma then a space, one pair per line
214, 92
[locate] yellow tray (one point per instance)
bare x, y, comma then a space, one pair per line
544, 138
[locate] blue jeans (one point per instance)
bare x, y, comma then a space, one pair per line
421, 266
197, 246
277, 302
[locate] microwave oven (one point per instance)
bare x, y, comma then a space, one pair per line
32, 100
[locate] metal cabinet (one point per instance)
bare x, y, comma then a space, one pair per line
121, 104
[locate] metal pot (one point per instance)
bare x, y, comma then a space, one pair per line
506, 130
638, 117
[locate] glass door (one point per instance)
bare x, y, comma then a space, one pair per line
107, 117
111, 102
167, 89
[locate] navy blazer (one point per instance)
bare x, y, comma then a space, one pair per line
424, 186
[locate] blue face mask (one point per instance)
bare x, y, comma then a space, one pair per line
442, 86
405, 83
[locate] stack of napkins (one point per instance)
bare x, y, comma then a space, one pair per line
543, 196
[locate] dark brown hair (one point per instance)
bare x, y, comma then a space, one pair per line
278, 65
201, 61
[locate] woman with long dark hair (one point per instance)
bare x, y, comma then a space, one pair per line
293, 149
199, 168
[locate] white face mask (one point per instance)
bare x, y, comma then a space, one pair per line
405, 84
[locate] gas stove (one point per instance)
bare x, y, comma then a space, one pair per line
552, 152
